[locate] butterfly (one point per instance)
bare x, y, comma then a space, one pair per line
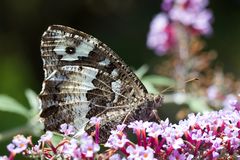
84, 78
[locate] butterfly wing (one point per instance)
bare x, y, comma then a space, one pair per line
84, 78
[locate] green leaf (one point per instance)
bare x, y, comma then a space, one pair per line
141, 71
198, 104
159, 80
150, 87
8, 104
57, 138
32, 100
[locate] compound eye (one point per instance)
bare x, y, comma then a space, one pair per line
158, 99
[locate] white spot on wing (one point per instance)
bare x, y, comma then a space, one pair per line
76, 36
84, 77
114, 73
88, 75
82, 50
68, 34
105, 62
71, 68
116, 87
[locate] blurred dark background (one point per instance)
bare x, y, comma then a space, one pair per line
121, 24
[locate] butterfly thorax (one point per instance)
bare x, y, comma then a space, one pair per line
143, 108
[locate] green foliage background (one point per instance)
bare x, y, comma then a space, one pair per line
122, 24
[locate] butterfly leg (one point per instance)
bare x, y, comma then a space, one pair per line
127, 115
155, 114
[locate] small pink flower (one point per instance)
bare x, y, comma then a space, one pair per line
139, 128
139, 125
46, 137
138, 152
116, 141
196, 134
154, 130
134, 151
178, 143
68, 149
217, 144
67, 129
95, 120
121, 127
88, 146
19, 144
147, 154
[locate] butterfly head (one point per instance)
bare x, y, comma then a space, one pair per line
156, 100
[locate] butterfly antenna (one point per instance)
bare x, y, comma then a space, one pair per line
171, 87
190, 80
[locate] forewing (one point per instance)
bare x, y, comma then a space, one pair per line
83, 78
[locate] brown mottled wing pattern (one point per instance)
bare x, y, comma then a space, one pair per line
84, 78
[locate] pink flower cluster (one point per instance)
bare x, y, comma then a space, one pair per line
199, 137
214, 135
82, 147
192, 14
